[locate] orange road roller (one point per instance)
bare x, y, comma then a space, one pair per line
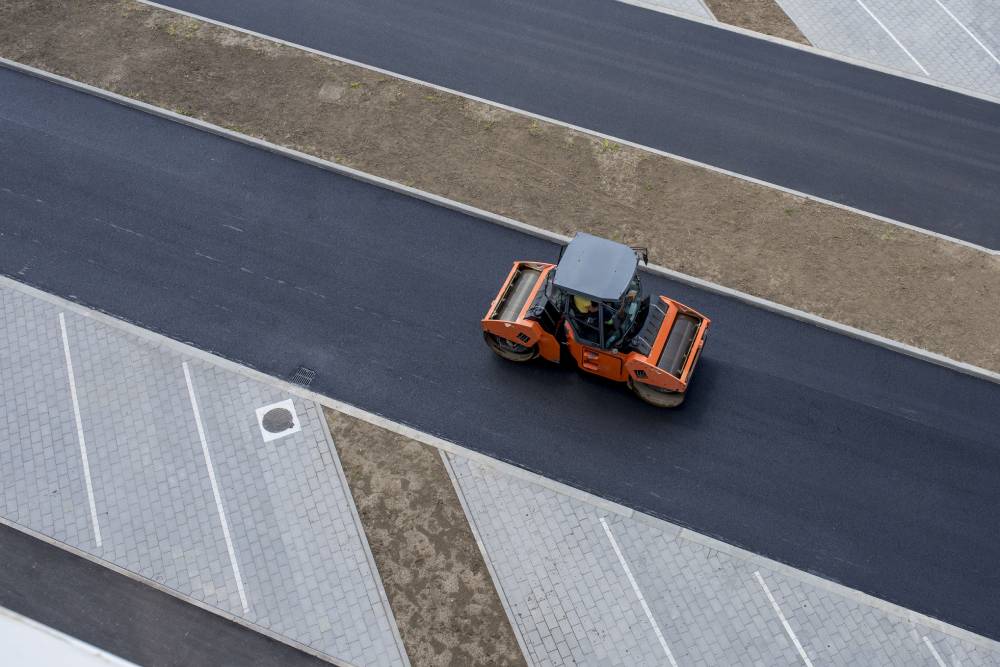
590, 308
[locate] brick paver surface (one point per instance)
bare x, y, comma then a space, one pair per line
303, 559
936, 40
574, 603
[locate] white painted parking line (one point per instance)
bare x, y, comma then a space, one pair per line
638, 593
968, 32
784, 621
79, 431
937, 656
889, 32
215, 490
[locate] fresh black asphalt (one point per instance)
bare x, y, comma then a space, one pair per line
888, 145
838, 457
124, 617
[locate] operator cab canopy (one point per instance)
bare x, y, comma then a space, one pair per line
596, 268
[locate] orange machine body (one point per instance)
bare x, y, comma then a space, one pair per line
518, 318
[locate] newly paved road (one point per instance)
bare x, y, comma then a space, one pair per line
888, 145
123, 616
841, 458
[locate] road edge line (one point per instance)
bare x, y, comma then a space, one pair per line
183, 597
504, 467
495, 218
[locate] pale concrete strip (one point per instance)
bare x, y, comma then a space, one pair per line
215, 490
784, 621
505, 468
488, 216
27, 642
79, 432
638, 593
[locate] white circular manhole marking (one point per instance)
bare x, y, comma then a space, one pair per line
278, 420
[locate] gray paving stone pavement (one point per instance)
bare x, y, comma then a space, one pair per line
574, 604
935, 39
300, 550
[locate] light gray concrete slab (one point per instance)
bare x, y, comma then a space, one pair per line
574, 602
940, 36
300, 552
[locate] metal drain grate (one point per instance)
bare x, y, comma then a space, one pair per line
303, 376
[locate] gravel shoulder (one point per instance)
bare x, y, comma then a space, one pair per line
441, 593
847, 267
764, 16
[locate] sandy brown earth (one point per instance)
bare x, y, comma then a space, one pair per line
847, 267
764, 16
440, 591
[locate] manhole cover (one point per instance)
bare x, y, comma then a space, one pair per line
277, 420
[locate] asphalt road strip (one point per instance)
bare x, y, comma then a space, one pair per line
547, 235
764, 368
132, 617
841, 265
646, 147
443, 445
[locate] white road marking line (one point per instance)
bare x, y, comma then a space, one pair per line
937, 656
969, 32
79, 431
638, 593
784, 621
889, 32
215, 490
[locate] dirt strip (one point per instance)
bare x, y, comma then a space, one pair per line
765, 16
847, 267
441, 593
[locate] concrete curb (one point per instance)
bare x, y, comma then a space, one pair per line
474, 527
481, 214
626, 142
599, 504
174, 593
372, 565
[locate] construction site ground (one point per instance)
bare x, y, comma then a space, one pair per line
819, 258
480, 563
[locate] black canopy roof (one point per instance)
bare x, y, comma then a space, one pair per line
596, 268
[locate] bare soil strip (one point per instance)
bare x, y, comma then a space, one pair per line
843, 266
440, 590
765, 16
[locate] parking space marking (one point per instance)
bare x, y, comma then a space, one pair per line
215, 489
638, 593
79, 431
889, 32
937, 656
968, 32
784, 621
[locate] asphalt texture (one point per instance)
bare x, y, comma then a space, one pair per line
838, 457
888, 145
124, 617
